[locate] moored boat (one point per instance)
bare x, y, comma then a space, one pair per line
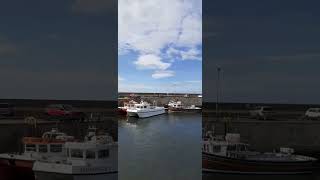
144, 110
226, 154
95, 158
127, 105
175, 106
20, 165
192, 108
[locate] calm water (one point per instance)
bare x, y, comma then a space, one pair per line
165, 147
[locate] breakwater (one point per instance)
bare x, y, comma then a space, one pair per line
34, 107
161, 99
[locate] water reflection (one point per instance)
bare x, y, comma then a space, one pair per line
160, 147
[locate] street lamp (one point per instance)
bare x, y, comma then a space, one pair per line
217, 100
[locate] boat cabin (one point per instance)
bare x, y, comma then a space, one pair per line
129, 104
229, 146
97, 149
142, 105
51, 142
77, 151
175, 104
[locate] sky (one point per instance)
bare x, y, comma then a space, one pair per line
160, 46
269, 51
61, 49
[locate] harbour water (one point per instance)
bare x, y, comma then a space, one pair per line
160, 147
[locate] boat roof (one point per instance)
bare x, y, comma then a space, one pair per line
89, 145
52, 137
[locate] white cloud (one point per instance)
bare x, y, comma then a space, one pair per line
160, 31
151, 61
191, 54
191, 31
194, 81
162, 74
150, 25
135, 87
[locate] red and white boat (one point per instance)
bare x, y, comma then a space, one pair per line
126, 106
19, 166
175, 106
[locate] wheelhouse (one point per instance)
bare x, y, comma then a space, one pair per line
130, 104
87, 151
142, 105
51, 142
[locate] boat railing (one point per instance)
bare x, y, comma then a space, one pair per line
38, 140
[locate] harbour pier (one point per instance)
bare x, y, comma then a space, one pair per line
161, 99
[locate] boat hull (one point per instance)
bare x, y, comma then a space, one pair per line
122, 111
192, 110
145, 114
220, 164
15, 169
173, 109
54, 176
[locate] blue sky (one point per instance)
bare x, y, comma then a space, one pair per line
269, 51
62, 49
160, 46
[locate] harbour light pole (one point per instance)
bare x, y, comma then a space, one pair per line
218, 89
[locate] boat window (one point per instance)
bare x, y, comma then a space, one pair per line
90, 154
145, 106
231, 148
216, 148
31, 147
56, 148
53, 136
43, 148
103, 153
76, 153
241, 147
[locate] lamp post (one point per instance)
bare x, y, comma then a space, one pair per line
218, 89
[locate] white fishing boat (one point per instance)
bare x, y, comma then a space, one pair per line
175, 106
192, 108
95, 158
144, 110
